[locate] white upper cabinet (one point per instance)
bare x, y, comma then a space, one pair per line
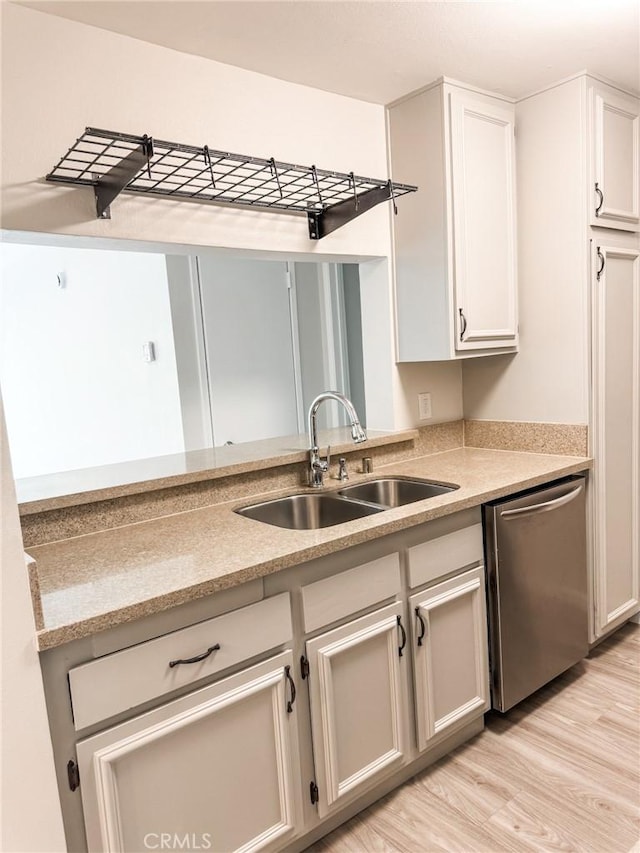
482, 169
615, 159
455, 246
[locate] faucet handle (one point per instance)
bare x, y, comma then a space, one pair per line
328, 460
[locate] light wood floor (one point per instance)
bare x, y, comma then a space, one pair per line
561, 771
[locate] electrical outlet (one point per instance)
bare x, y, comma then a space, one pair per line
424, 406
148, 351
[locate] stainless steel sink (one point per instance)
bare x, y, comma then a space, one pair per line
308, 511
390, 492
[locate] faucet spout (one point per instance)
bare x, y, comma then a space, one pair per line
318, 466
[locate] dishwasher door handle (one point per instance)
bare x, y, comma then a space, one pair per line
547, 506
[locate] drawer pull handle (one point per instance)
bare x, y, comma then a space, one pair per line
404, 636
287, 673
197, 658
423, 626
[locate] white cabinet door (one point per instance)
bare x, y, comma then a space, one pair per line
455, 239
216, 769
358, 711
449, 633
484, 225
615, 160
616, 433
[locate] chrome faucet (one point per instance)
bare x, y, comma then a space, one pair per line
317, 466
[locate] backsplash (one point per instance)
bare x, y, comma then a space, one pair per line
76, 520
528, 437
49, 525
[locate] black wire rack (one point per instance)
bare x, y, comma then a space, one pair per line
114, 162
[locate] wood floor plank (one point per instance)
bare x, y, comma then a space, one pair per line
475, 792
574, 751
560, 772
528, 820
619, 726
518, 820
356, 836
435, 826
565, 827
556, 780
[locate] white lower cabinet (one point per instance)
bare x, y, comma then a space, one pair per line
217, 769
230, 766
358, 711
449, 634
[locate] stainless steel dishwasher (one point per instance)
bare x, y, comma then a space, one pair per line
536, 587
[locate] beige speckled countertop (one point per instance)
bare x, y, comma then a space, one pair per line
88, 485
99, 580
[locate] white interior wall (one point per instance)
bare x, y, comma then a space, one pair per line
353, 323
309, 312
77, 391
321, 328
247, 323
71, 76
188, 339
443, 380
547, 381
30, 818
382, 389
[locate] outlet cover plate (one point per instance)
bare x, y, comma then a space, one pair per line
424, 406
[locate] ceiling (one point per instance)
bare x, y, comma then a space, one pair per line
378, 50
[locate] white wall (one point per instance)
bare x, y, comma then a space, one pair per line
443, 380
69, 76
60, 76
30, 817
77, 391
353, 323
248, 339
548, 380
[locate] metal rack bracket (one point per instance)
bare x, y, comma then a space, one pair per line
113, 162
110, 185
323, 222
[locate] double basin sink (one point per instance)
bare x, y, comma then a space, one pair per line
312, 511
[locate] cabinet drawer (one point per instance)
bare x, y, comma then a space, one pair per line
439, 557
113, 684
334, 598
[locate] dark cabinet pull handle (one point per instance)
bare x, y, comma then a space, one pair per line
287, 674
464, 324
197, 658
601, 268
423, 627
601, 194
404, 636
